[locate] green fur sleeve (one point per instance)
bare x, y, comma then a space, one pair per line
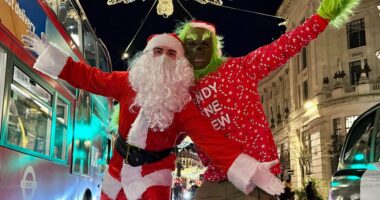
337, 11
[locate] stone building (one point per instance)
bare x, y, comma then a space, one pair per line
312, 101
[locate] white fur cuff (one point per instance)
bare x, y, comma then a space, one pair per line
134, 184
51, 61
241, 172
111, 186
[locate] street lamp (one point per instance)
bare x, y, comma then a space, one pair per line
124, 56
377, 54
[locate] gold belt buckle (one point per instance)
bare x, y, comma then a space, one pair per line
127, 154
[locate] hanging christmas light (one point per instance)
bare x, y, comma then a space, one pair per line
165, 7
215, 2
113, 2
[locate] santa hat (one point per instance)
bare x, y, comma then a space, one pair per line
165, 40
203, 24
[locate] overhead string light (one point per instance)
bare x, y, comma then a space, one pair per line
113, 2
215, 2
125, 55
165, 7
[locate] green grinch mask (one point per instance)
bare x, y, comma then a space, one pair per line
198, 47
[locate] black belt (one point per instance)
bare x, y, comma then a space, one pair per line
136, 156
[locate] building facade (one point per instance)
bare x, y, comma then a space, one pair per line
312, 101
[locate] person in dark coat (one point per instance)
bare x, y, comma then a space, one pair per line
288, 193
311, 191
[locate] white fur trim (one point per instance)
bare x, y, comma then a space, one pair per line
139, 131
241, 172
111, 186
203, 25
135, 185
166, 40
51, 61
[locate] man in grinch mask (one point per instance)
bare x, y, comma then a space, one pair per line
226, 90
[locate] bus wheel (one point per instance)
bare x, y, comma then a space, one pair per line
87, 195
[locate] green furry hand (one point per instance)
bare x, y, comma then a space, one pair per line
337, 11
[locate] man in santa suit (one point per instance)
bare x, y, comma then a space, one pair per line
155, 107
226, 89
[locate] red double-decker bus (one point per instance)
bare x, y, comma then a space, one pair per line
54, 143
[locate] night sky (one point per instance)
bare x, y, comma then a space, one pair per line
243, 31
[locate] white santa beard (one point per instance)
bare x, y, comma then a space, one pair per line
162, 87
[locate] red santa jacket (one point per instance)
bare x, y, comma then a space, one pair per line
229, 96
190, 120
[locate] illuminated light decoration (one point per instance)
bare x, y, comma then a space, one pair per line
353, 178
364, 166
284, 23
359, 166
72, 14
359, 157
215, 2
125, 56
113, 2
165, 7
335, 183
311, 109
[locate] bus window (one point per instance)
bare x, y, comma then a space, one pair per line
60, 138
82, 155
103, 65
89, 46
83, 107
16, 133
69, 18
53, 4
105, 154
29, 120
31, 85
3, 62
359, 144
100, 108
83, 133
